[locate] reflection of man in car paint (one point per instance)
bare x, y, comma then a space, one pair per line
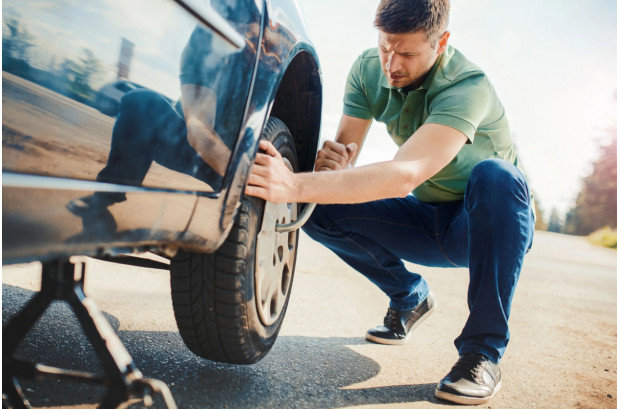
194, 137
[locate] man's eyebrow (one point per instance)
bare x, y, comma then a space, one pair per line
410, 53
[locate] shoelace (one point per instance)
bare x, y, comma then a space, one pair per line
390, 319
470, 363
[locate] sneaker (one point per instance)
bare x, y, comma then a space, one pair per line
474, 379
398, 325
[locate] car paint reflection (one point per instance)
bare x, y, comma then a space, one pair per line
199, 61
189, 126
50, 129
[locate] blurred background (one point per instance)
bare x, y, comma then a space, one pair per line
554, 66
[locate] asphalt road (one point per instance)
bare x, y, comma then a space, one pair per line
563, 352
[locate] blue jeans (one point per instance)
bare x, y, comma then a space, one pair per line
490, 232
148, 128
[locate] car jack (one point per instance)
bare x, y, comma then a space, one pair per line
64, 281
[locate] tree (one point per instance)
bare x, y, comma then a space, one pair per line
15, 44
540, 222
555, 224
596, 204
81, 74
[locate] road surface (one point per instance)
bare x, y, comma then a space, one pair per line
562, 354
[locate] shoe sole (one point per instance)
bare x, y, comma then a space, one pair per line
375, 339
455, 398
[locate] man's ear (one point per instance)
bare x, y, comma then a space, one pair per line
443, 42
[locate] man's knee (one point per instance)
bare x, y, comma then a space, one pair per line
499, 180
141, 100
497, 174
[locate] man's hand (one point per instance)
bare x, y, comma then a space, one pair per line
334, 156
270, 178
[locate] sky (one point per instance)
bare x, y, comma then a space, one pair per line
553, 64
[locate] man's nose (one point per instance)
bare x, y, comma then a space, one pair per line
393, 63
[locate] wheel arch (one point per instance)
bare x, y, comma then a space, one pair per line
298, 103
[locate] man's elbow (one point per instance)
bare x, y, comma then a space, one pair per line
407, 184
406, 180
404, 190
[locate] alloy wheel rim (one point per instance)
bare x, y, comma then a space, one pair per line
275, 260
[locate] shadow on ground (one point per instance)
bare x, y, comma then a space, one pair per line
299, 372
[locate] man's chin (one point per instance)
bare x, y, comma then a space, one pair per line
399, 83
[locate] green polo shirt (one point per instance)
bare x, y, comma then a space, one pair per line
455, 93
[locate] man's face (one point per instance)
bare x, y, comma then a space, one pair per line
407, 57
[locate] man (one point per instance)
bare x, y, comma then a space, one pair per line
470, 205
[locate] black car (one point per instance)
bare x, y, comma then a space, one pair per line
108, 98
161, 178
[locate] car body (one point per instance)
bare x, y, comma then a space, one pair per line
163, 172
259, 61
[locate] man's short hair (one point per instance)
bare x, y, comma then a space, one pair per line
406, 16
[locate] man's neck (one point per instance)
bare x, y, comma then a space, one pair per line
417, 84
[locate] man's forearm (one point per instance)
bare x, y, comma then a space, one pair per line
422, 156
352, 130
382, 180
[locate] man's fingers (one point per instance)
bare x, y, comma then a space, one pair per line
269, 149
341, 155
331, 155
255, 178
257, 184
270, 179
336, 147
262, 159
352, 149
323, 164
252, 190
257, 181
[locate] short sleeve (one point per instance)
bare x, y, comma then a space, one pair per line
355, 98
463, 105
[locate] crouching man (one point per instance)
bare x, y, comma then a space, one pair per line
451, 197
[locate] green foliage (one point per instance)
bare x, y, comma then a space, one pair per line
75, 77
605, 236
16, 41
81, 74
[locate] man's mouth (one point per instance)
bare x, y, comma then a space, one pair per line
396, 77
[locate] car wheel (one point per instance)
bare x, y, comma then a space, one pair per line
229, 305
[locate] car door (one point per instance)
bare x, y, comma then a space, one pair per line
67, 140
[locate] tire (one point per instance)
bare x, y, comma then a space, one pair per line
229, 305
